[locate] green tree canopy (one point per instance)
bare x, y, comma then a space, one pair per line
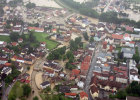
26, 90
35, 98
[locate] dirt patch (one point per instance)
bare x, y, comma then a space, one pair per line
38, 79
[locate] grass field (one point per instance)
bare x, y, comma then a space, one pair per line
4, 38
16, 90
42, 37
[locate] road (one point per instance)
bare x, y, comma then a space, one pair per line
38, 64
106, 8
90, 71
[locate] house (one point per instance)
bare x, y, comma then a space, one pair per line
19, 68
3, 60
17, 29
3, 44
74, 88
135, 36
128, 52
127, 37
20, 60
44, 84
54, 30
20, 40
109, 40
85, 65
28, 61
92, 46
62, 74
43, 44
80, 84
6, 70
83, 95
132, 98
70, 95
128, 28
133, 72
136, 29
117, 36
36, 29
64, 89
94, 91
75, 72
52, 65
14, 44
49, 72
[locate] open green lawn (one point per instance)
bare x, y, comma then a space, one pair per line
4, 38
42, 37
16, 90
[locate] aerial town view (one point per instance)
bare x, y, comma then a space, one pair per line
69, 49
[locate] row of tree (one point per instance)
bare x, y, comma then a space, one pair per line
112, 18
30, 5
75, 44
57, 54
132, 90
82, 8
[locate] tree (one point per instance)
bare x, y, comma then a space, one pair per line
139, 69
26, 90
69, 54
136, 58
121, 94
30, 5
12, 97
75, 44
57, 54
85, 36
91, 39
28, 68
46, 90
32, 38
35, 98
70, 66
14, 36
1, 11
8, 79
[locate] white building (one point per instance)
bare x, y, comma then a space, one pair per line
44, 84
6, 70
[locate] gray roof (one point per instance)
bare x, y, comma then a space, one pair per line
128, 50
101, 55
45, 83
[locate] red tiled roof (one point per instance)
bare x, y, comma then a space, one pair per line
35, 28
70, 94
128, 28
116, 36
132, 42
94, 89
75, 72
15, 57
86, 63
3, 59
49, 70
20, 39
54, 30
8, 64
83, 94
20, 58
14, 43
126, 35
